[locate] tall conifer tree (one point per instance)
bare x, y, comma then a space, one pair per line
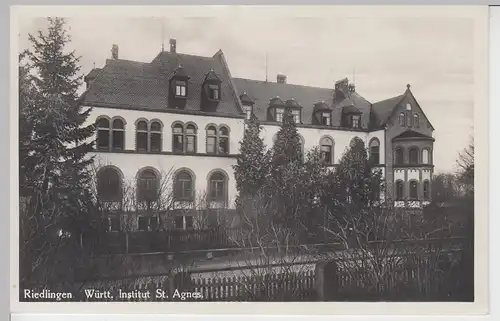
252, 163
60, 141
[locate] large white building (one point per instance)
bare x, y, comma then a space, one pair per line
185, 115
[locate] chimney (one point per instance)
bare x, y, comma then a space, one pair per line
114, 52
173, 45
281, 79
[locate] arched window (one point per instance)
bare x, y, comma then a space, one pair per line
399, 156
399, 190
426, 195
402, 119
190, 139
103, 138
223, 140
425, 156
217, 185
109, 185
416, 121
375, 151
413, 190
178, 138
326, 147
183, 190
211, 139
141, 143
155, 136
118, 138
413, 156
147, 185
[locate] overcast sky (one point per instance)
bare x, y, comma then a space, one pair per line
383, 54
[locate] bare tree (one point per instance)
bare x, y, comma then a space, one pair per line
379, 246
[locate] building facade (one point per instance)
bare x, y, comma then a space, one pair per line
182, 117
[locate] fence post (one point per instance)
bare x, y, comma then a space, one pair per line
126, 243
327, 281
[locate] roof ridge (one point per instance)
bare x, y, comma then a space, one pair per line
127, 60
287, 84
384, 100
185, 54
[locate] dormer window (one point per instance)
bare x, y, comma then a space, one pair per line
248, 112
279, 114
247, 103
322, 114
351, 117
296, 116
213, 92
180, 88
355, 121
326, 118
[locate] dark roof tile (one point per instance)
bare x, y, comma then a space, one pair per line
245, 99
124, 83
307, 97
382, 110
351, 109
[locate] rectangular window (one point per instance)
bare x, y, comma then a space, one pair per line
190, 144
213, 92
296, 116
210, 145
326, 119
142, 142
223, 145
114, 224
375, 155
180, 89
178, 144
184, 189
326, 154
179, 222
155, 142
248, 111
216, 190
143, 223
153, 223
279, 114
103, 139
355, 121
426, 190
118, 139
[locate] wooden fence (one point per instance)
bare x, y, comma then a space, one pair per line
280, 287
421, 276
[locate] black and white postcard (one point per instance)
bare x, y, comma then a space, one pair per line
249, 154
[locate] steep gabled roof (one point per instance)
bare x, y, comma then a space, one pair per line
383, 109
92, 74
139, 85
